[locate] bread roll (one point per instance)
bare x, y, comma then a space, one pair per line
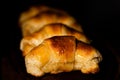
48, 31
62, 54
36, 17
53, 42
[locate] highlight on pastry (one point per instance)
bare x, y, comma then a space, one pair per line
53, 42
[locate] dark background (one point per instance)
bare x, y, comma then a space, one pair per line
100, 20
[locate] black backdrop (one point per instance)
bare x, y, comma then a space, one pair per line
100, 20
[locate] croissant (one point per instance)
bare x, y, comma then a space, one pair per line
37, 16
53, 42
55, 29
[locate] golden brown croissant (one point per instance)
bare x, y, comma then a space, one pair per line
55, 56
50, 30
36, 17
53, 42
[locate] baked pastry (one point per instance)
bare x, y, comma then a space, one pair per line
54, 42
38, 16
48, 31
62, 54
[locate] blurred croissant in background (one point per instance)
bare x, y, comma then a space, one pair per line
53, 42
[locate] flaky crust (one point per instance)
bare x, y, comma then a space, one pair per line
48, 31
54, 42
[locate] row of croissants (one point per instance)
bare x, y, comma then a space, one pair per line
53, 42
